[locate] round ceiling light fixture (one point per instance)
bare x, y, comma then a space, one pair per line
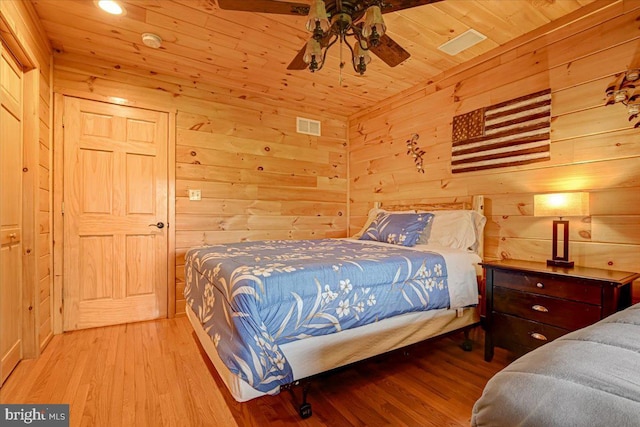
111, 6
152, 40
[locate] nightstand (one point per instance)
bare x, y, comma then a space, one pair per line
530, 303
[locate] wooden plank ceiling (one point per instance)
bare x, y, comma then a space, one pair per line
245, 54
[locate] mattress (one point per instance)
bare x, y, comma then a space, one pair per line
314, 354
590, 377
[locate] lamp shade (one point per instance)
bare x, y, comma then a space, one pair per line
561, 204
317, 13
373, 18
314, 50
361, 51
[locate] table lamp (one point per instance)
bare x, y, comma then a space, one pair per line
561, 205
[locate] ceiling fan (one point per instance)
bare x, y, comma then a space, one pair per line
332, 21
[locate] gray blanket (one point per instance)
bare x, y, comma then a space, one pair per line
590, 377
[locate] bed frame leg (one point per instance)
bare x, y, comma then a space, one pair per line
304, 409
467, 344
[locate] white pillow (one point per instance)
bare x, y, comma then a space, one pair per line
458, 229
373, 214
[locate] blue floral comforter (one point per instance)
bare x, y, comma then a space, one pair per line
253, 297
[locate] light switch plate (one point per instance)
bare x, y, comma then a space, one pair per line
195, 195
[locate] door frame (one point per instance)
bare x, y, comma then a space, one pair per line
58, 193
30, 194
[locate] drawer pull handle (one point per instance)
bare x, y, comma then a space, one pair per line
540, 308
539, 285
538, 336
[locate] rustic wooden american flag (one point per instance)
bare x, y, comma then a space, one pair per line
515, 132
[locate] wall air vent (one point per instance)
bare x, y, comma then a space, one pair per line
308, 126
463, 42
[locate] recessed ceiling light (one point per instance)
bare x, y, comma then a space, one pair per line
462, 42
111, 6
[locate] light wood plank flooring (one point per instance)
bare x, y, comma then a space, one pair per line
155, 374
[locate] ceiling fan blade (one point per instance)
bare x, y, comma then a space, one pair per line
298, 62
265, 6
390, 52
396, 5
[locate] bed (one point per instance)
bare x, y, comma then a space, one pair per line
590, 377
271, 313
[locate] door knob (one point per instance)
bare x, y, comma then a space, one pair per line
159, 225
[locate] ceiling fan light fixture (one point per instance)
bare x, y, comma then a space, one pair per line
341, 22
318, 15
373, 22
313, 54
361, 57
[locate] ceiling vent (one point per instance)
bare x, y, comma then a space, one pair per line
308, 126
463, 42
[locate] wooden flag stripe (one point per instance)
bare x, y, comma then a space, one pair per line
524, 149
534, 119
470, 152
510, 135
517, 102
491, 119
515, 161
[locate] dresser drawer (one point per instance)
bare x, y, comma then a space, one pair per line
569, 288
520, 335
565, 314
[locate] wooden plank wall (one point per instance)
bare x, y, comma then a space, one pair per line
24, 24
259, 179
593, 147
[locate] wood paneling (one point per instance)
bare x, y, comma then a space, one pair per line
593, 147
259, 179
240, 55
21, 29
235, 125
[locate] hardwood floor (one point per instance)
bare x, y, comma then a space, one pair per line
155, 374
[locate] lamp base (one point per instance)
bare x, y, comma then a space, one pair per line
560, 263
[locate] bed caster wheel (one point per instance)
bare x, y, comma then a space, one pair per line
467, 345
305, 410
